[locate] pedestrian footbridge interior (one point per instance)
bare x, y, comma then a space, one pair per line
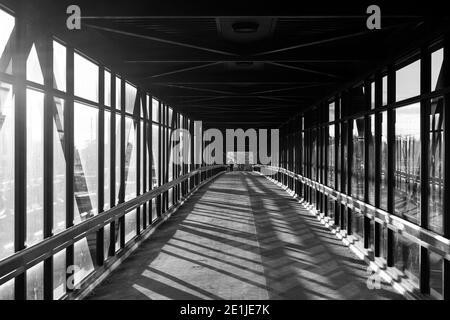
118, 180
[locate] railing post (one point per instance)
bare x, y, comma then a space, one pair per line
425, 72
100, 257
446, 206
20, 141
390, 163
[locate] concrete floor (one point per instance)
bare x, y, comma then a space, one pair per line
241, 237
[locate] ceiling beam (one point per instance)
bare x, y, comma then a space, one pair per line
243, 60
236, 83
180, 105
294, 88
182, 70
282, 65
299, 17
318, 42
157, 39
198, 89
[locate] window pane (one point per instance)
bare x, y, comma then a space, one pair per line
383, 241
35, 166
141, 160
59, 274
372, 95
371, 159
154, 212
407, 81
83, 261
7, 23
437, 58
107, 239
338, 157
384, 161
358, 227
436, 262
358, 159
7, 290
130, 97
130, 159
107, 88
170, 162
85, 161
407, 162
406, 257
107, 162
331, 154
344, 141
148, 147
34, 70
331, 209
148, 107
170, 198
86, 78
59, 66
436, 166
130, 225
155, 110
170, 117
59, 168
35, 282
384, 90
313, 155
6, 171
117, 156
118, 93
155, 155
331, 111
189, 162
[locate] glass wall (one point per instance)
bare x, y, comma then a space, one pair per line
130, 174
155, 164
331, 156
85, 78
59, 66
107, 162
436, 166
371, 158
85, 161
357, 173
407, 81
73, 101
59, 168
35, 167
383, 158
436, 146
379, 148
407, 162
7, 23
6, 168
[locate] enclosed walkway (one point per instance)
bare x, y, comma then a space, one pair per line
241, 237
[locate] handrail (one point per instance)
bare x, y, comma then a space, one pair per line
424, 237
23, 260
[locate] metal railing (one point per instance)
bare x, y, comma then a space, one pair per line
19, 262
423, 237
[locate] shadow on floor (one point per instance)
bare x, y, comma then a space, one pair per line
241, 237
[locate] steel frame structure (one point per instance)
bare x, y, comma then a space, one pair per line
304, 167
185, 179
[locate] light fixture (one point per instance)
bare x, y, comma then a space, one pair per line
245, 27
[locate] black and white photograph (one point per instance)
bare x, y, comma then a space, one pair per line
227, 156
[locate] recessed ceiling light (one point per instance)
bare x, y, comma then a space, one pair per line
245, 27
